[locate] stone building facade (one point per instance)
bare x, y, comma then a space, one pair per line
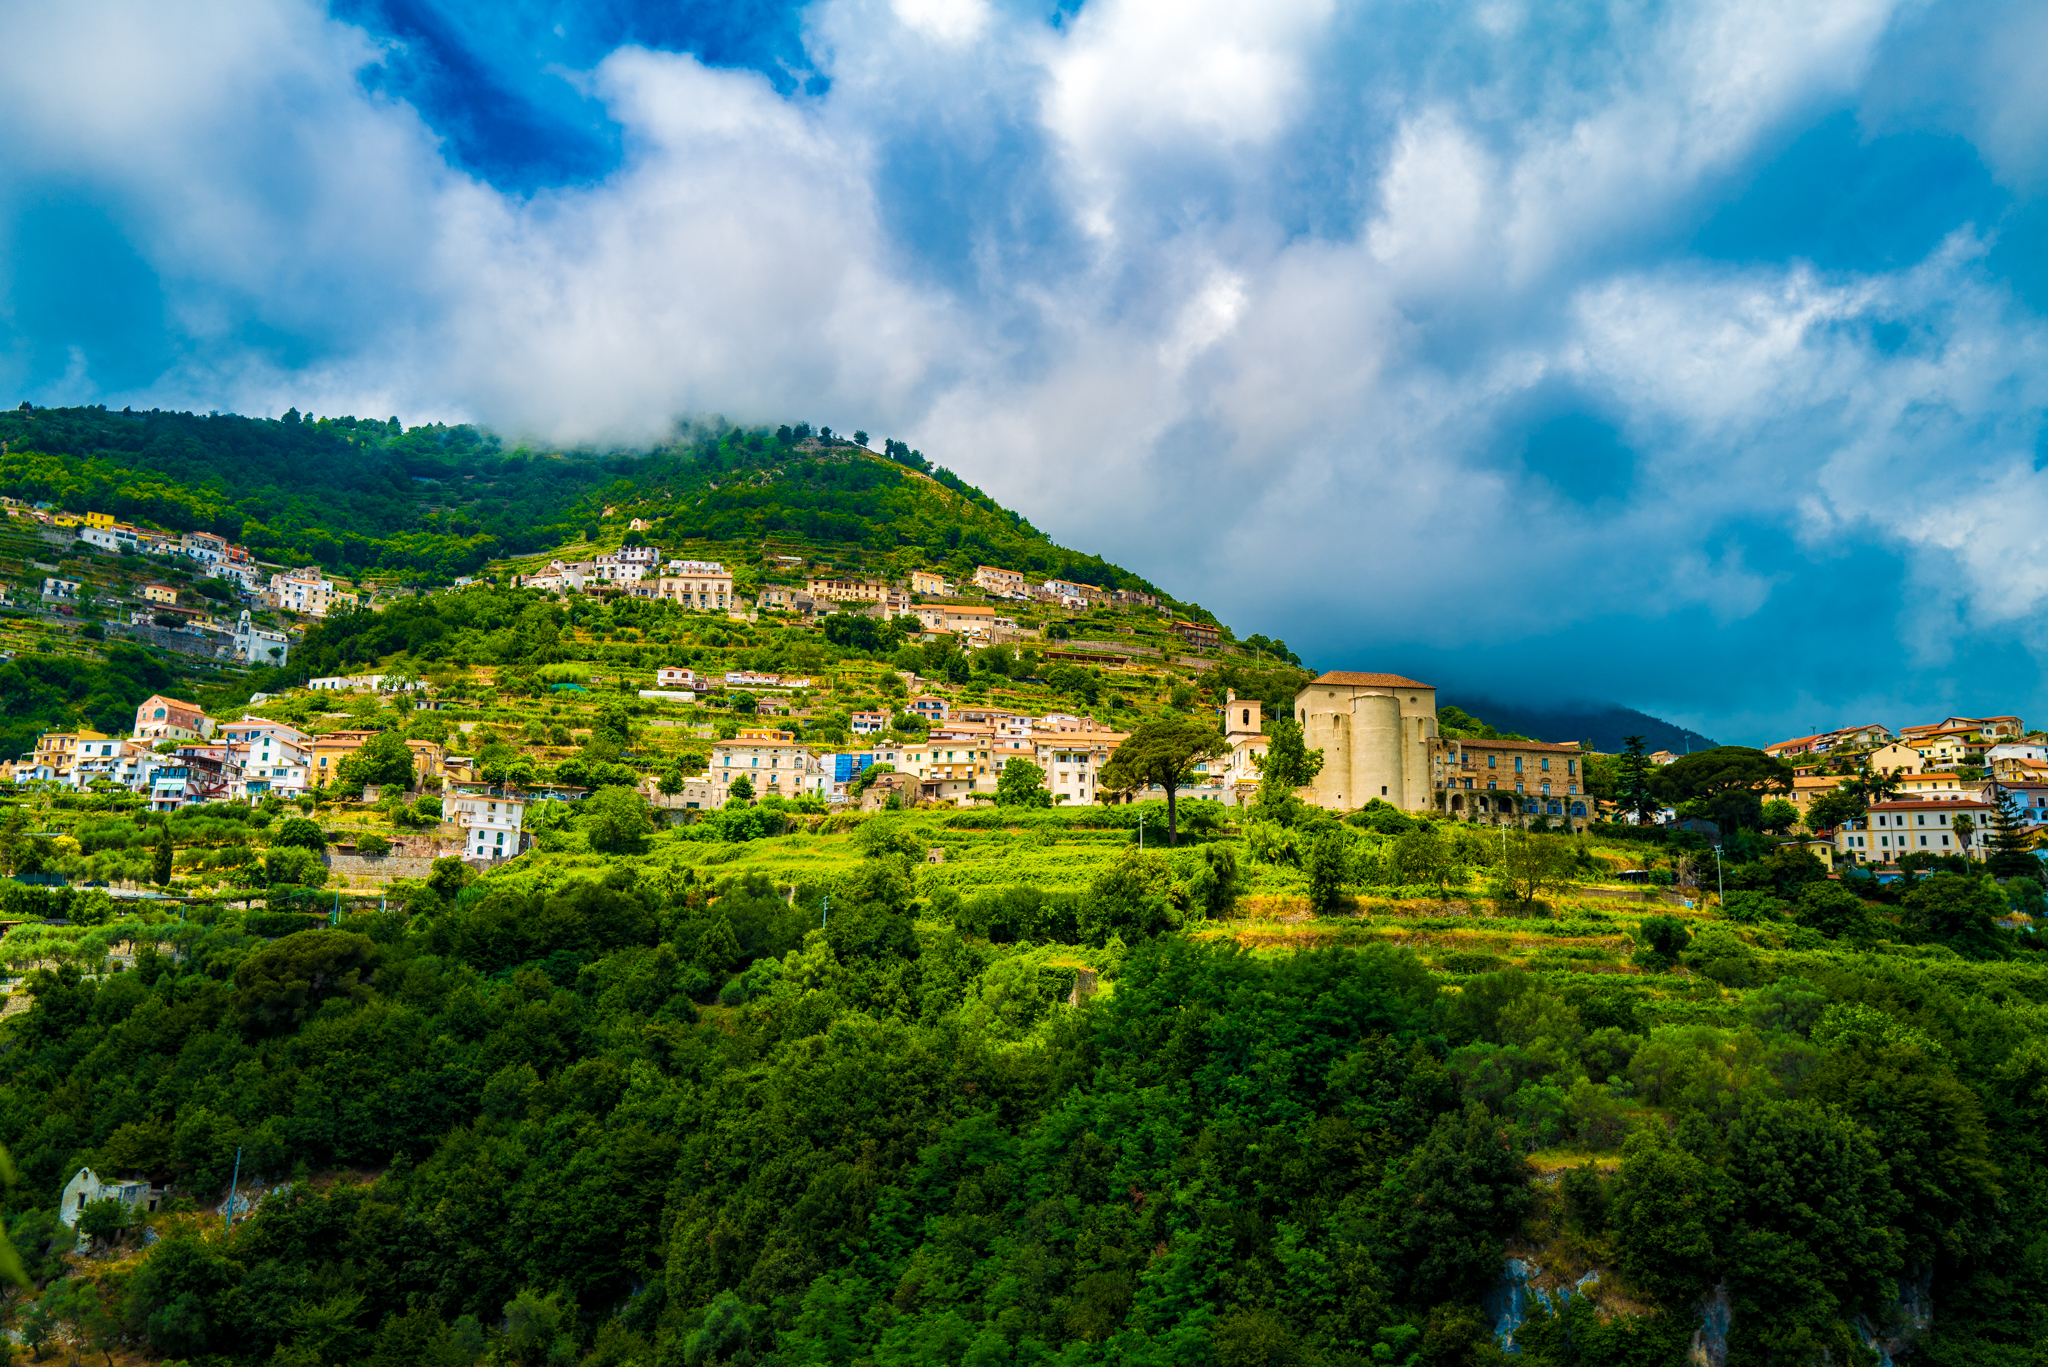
1376, 732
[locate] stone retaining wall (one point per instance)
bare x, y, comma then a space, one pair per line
411, 856
379, 868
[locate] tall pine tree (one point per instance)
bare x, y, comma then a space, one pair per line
2010, 856
1633, 789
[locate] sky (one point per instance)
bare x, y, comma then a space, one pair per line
1686, 357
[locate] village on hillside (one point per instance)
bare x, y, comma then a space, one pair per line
1858, 795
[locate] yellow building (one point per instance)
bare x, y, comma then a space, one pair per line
951, 766
104, 520
59, 749
334, 747
1481, 780
770, 761
1896, 758
159, 593
847, 590
705, 585
1807, 787
1938, 785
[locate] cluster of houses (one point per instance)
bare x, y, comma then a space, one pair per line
1938, 785
959, 758
303, 590
707, 586
178, 757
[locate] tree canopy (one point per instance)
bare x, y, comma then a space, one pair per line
1163, 752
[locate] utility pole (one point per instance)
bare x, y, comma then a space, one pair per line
825, 913
233, 1183
1720, 883
1141, 831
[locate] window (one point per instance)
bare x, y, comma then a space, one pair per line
1493, 761
1518, 764
1546, 765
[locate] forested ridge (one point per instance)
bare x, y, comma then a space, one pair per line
427, 503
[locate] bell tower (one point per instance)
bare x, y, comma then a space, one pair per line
1241, 720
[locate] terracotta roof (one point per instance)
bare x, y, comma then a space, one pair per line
1351, 680
1570, 745
1932, 806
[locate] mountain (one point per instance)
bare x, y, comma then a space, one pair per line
1603, 724
392, 509
424, 504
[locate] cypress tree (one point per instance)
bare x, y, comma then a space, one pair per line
160, 870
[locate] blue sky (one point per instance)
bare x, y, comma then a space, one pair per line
1689, 357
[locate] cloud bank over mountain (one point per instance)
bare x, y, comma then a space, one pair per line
1690, 357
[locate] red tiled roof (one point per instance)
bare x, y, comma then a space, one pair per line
1348, 679
1930, 805
1571, 745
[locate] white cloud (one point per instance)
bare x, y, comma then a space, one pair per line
949, 22
1237, 293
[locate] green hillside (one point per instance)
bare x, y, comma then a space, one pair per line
403, 511
989, 1086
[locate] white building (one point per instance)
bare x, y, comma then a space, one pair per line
113, 540
346, 683
2016, 749
1073, 762
121, 762
206, 548
1891, 829
641, 561
61, 588
492, 825
85, 1187
258, 646
306, 590
668, 676
274, 757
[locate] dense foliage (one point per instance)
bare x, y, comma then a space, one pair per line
645, 1115
45, 692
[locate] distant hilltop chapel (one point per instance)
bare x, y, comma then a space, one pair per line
1378, 734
